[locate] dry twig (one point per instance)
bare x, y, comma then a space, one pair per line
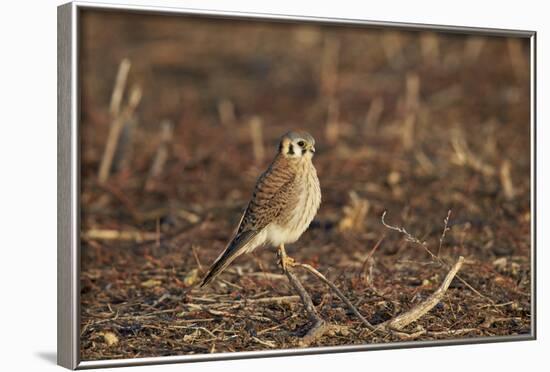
319, 325
312, 270
403, 320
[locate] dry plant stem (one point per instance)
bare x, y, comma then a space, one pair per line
110, 149
107, 234
256, 135
120, 84
275, 300
403, 320
506, 180
226, 112
114, 134
373, 115
319, 325
363, 272
445, 229
312, 270
465, 157
473, 47
161, 155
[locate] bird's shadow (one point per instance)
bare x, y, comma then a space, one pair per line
48, 356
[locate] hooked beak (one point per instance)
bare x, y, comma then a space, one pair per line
312, 149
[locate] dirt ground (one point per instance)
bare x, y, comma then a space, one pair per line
416, 124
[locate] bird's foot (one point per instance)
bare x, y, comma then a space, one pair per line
287, 261
284, 260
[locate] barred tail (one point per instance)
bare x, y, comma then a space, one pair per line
233, 250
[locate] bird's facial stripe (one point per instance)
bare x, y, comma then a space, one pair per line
290, 149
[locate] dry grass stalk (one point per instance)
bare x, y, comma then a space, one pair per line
125, 147
373, 115
366, 268
120, 85
355, 214
429, 45
506, 180
403, 320
278, 300
329, 66
407, 131
114, 134
425, 163
109, 234
161, 155
464, 157
445, 229
412, 94
332, 129
226, 112
473, 48
518, 59
392, 44
328, 86
412, 105
257, 138
196, 256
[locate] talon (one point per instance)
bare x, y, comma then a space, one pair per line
288, 261
284, 260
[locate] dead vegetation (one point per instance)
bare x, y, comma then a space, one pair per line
177, 125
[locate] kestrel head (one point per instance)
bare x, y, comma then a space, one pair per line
297, 145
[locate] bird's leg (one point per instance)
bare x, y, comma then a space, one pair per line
284, 260
319, 326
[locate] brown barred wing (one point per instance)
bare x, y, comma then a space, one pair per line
272, 196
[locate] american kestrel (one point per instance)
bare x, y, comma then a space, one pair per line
285, 200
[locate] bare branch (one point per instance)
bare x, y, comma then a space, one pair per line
319, 325
402, 320
312, 270
402, 230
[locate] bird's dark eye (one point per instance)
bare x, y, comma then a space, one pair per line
301, 143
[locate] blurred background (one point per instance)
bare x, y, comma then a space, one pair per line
180, 115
